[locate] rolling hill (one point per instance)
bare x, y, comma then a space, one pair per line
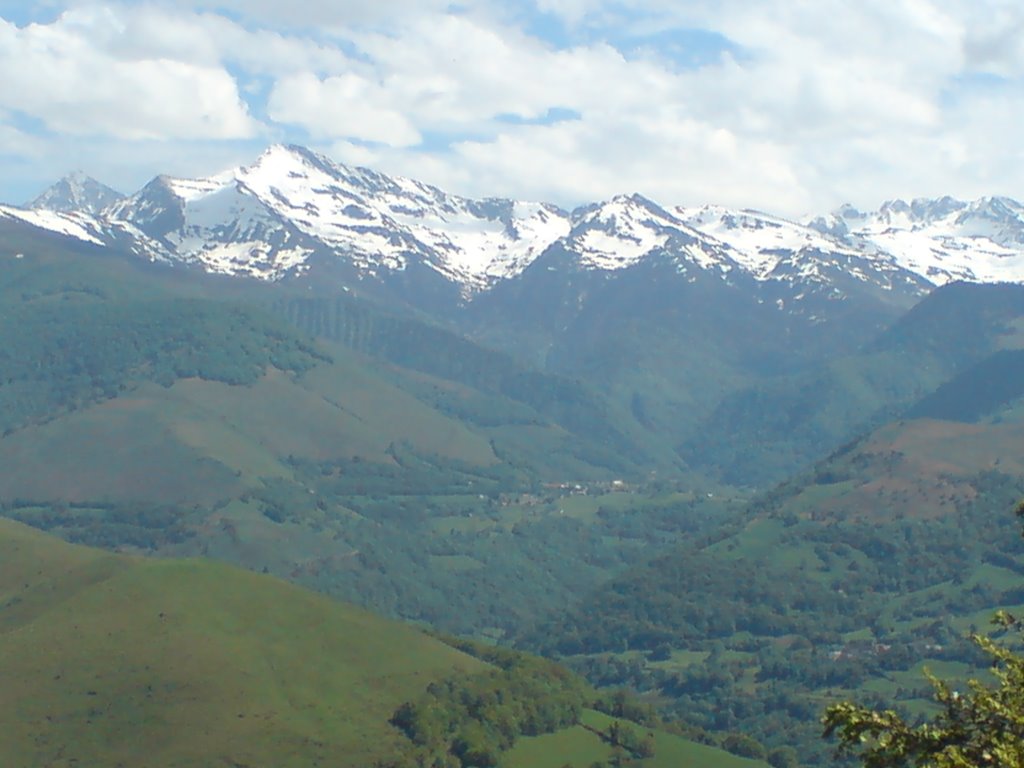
117, 660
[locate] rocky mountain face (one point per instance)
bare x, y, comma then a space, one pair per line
76, 193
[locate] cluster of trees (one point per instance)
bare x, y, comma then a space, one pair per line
410, 473
979, 727
59, 357
468, 721
138, 525
632, 741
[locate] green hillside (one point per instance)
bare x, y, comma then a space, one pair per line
587, 744
977, 392
194, 427
199, 440
507, 391
113, 660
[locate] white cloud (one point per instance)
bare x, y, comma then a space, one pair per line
341, 106
61, 75
131, 33
812, 104
17, 143
320, 13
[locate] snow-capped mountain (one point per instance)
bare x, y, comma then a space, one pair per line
215, 223
772, 248
269, 218
624, 231
296, 213
942, 240
76, 193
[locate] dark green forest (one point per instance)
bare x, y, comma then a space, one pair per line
67, 353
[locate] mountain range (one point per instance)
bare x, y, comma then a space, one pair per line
294, 213
681, 317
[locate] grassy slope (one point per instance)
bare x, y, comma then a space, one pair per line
113, 660
213, 441
580, 746
915, 468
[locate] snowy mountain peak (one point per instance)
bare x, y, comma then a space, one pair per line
268, 217
919, 211
627, 229
76, 192
619, 232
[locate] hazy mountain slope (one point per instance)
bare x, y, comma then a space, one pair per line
143, 413
115, 660
198, 441
669, 321
91, 322
982, 390
779, 425
607, 434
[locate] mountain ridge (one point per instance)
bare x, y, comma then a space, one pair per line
293, 210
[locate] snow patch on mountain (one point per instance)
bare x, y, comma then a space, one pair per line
385, 221
77, 225
761, 242
627, 229
619, 233
190, 190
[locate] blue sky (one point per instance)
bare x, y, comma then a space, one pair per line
782, 105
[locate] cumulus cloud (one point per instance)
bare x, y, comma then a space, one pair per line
66, 78
341, 106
